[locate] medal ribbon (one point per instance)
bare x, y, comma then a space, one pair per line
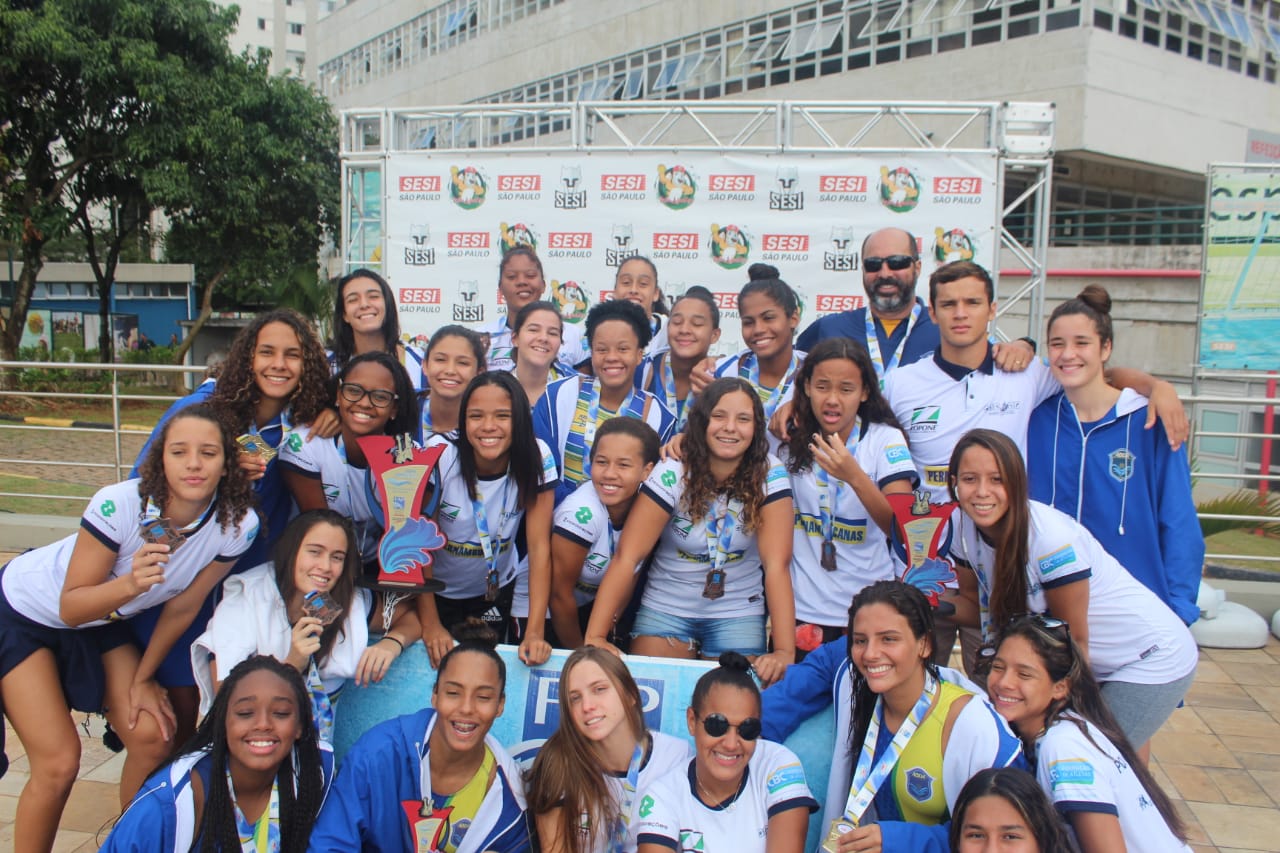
264, 836
720, 532
867, 779
618, 837
749, 369
679, 407
492, 550
151, 512
828, 494
873, 343
321, 704
577, 456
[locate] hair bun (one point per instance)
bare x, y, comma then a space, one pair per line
1096, 297
762, 272
477, 631
734, 660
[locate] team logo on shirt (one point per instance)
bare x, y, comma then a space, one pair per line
925, 418
1056, 560
682, 525
691, 841
331, 492
583, 515
1121, 464
919, 785
669, 478
449, 511
108, 509
1071, 771
646, 806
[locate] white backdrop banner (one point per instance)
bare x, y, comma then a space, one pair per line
702, 218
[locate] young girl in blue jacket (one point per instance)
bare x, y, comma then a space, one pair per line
1090, 455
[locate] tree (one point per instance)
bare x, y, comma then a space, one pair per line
260, 192
85, 85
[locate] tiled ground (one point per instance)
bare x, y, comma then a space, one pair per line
1219, 758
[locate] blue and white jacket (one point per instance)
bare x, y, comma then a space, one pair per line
980, 738
162, 817
1127, 487
385, 769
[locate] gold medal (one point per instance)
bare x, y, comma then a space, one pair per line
839, 826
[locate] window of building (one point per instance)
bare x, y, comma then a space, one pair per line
262, 23
295, 29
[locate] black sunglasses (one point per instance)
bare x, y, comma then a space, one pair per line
895, 262
717, 725
1039, 620
353, 393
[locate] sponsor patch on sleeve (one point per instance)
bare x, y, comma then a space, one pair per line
786, 776
1049, 563
1071, 771
896, 453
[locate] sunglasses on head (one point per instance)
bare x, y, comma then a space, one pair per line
717, 725
895, 262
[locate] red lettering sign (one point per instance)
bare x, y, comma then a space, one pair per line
468, 239
622, 183
839, 302
419, 183
683, 242
842, 184
726, 301
519, 183
957, 186
419, 296
569, 240
732, 183
785, 243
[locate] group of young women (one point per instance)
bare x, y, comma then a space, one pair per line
565, 526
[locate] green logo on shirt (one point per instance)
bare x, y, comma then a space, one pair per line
108, 508
669, 478
646, 806
583, 515
295, 442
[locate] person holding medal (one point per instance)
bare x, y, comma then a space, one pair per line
493, 478
304, 609
455, 356
584, 784
692, 329
738, 792
587, 524
909, 733
161, 541
435, 779
721, 522
845, 456
567, 417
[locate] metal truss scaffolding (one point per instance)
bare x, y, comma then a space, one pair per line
1021, 135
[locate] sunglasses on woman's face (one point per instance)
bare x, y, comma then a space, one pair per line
897, 263
717, 725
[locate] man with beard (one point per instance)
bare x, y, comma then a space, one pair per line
894, 325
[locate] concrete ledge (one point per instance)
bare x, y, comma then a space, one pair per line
1262, 597
19, 531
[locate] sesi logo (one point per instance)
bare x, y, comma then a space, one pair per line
732, 183
569, 240
957, 186
622, 183
419, 296
677, 242
519, 183
419, 183
726, 301
842, 184
785, 243
468, 239
839, 302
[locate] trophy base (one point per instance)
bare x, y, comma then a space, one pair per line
401, 587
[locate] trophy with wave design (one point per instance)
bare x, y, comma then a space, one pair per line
921, 538
399, 471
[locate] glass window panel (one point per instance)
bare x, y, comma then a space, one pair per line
635, 84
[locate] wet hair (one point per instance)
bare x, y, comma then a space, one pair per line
1009, 574
344, 345
650, 442
873, 410
404, 410
284, 556
955, 271
567, 773
1062, 660
236, 497
701, 294
525, 457
1093, 302
237, 394
911, 604
619, 309
1019, 789
520, 251
300, 776
658, 306
747, 483
764, 279
523, 315
734, 671
475, 636
913, 247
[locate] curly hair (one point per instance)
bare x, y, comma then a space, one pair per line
237, 392
301, 787
236, 497
747, 484
567, 773
874, 409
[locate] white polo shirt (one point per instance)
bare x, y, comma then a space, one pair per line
346, 487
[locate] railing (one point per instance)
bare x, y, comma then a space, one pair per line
119, 427
1163, 225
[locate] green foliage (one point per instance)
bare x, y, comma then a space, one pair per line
1240, 502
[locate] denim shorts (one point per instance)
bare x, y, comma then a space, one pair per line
743, 634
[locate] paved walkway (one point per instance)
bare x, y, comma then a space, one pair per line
1218, 757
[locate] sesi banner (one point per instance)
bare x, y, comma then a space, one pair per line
703, 218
